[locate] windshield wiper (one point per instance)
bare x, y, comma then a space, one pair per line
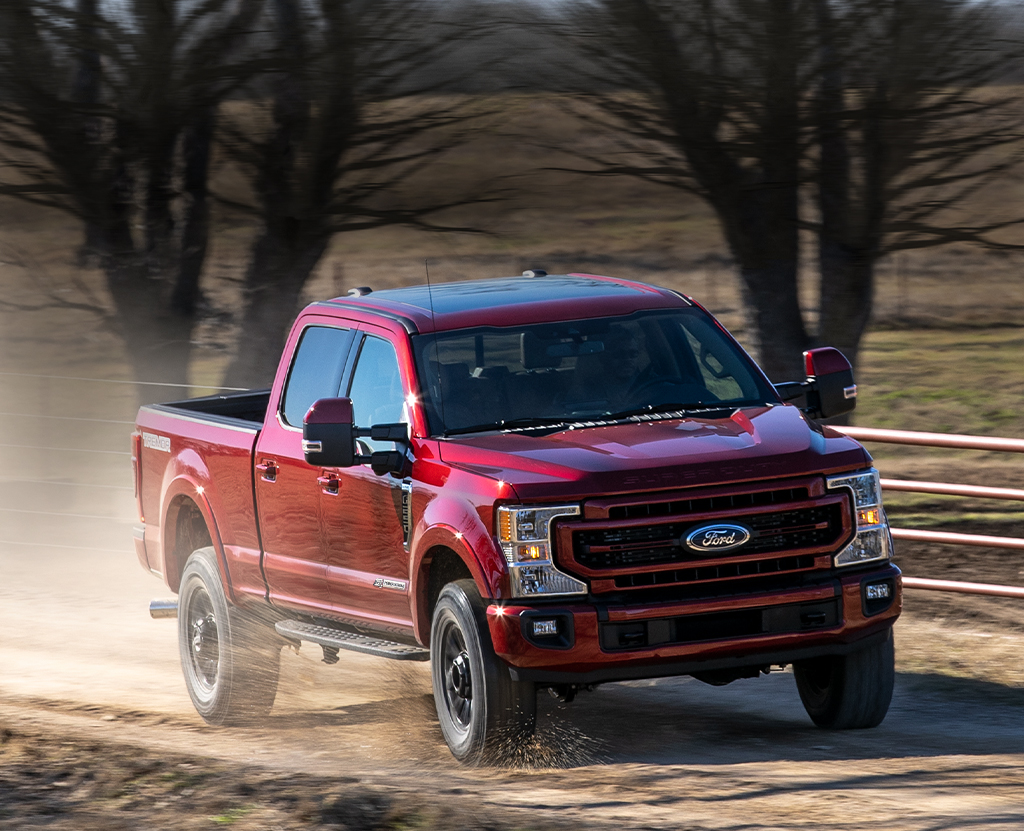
675, 407
511, 424
603, 419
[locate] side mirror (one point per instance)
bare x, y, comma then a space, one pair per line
829, 389
833, 392
329, 438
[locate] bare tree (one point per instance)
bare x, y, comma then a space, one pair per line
356, 112
882, 104
100, 113
704, 97
909, 122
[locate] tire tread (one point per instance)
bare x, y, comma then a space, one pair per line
248, 676
859, 690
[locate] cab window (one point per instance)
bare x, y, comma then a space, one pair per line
376, 390
316, 370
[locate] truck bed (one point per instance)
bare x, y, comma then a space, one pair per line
249, 407
196, 455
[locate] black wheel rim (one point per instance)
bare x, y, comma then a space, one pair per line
458, 677
818, 676
204, 639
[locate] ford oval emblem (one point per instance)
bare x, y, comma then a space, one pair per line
709, 539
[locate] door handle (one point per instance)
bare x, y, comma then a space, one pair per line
329, 483
267, 470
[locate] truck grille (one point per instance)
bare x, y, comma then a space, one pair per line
637, 544
723, 572
663, 543
706, 504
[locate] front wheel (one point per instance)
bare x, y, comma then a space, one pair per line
483, 713
230, 659
844, 692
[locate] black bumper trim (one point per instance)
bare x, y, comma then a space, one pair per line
635, 672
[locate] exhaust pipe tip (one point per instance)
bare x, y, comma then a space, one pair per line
163, 608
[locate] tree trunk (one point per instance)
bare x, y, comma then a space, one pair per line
158, 342
850, 234
160, 255
847, 289
195, 234
778, 334
293, 237
86, 90
758, 204
274, 282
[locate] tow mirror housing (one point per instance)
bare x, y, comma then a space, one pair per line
834, 391
329, 438
327, 433
829, 389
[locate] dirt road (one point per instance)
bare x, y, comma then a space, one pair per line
83, 668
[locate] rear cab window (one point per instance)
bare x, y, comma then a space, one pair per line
316, 370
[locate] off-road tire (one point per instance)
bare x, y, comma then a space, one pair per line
230, 658
485, 716
845, 692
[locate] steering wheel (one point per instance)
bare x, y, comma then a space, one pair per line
674, 390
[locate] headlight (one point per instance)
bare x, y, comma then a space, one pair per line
873, 541
525, 538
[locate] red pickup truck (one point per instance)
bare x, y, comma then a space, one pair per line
546, 482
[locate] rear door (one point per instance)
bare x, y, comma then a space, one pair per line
288, 490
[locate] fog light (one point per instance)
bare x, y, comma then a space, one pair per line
543, 628
878, 591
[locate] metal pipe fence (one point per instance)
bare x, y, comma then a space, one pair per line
961, 442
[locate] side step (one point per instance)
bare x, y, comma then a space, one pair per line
335, 639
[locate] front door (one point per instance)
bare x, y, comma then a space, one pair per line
288, 491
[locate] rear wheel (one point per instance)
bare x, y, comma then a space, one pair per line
229, 658
843, 692
485, 716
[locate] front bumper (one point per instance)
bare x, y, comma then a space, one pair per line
596, 643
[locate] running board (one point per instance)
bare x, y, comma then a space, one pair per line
335, 639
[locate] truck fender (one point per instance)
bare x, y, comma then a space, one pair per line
468, 544
188, 480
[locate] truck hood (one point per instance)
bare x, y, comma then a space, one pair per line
755, 443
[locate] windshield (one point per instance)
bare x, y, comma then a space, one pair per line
491, 378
